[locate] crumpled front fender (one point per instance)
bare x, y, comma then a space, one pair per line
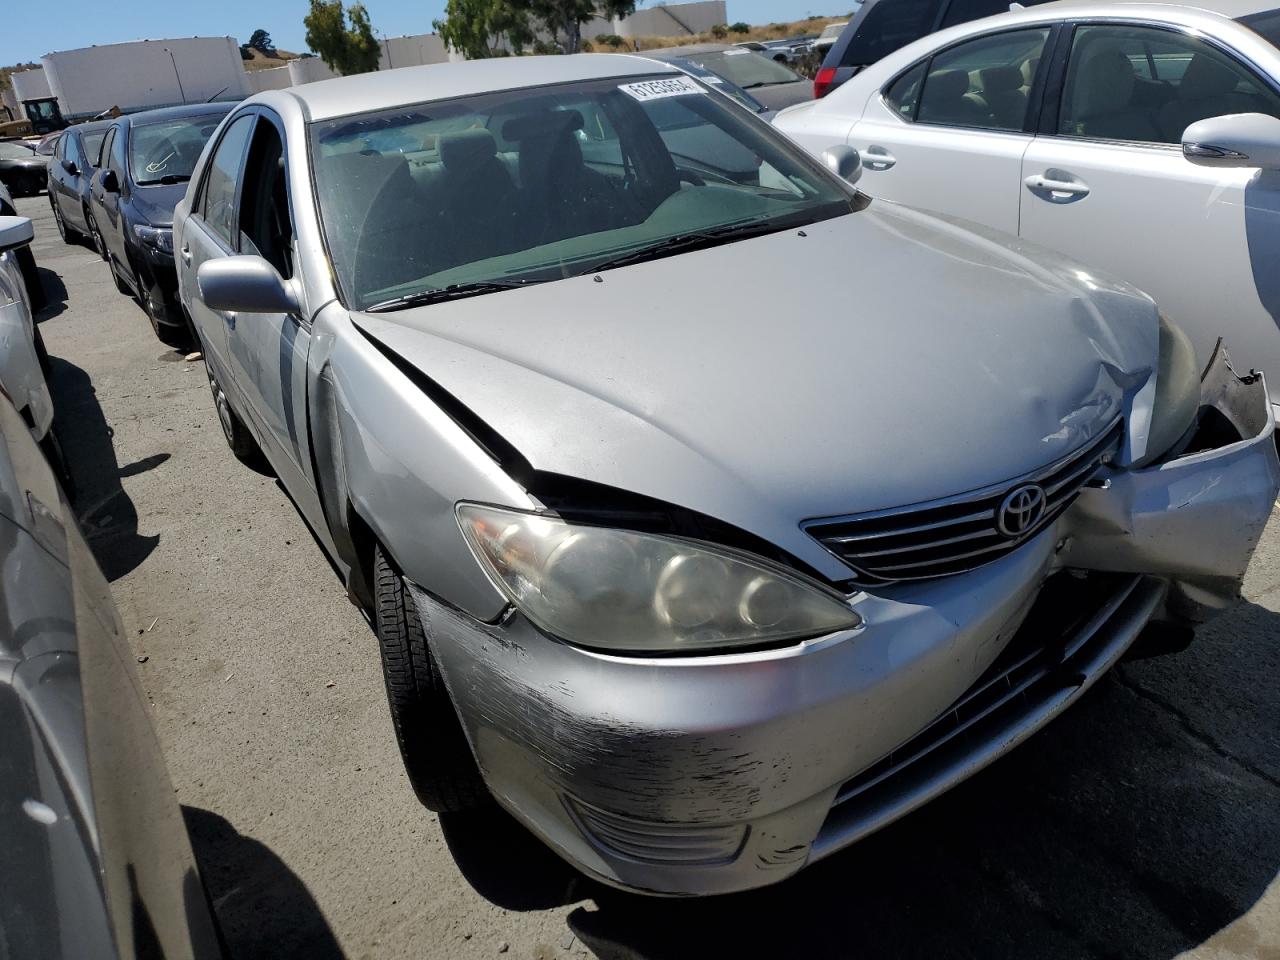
1195, 518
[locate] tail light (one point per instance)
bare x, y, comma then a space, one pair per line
823, 82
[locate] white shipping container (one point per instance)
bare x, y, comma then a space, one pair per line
144, 74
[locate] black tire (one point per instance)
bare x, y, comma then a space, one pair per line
121, 285
436, 755
69, 234
239, 439
177, 336
42, 354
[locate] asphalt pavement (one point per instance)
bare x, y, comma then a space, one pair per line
1143, 823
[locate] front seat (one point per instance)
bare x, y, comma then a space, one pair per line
478, 196
560, 195
1208, 89
1102, 101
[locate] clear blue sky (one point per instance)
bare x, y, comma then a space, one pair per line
30, 29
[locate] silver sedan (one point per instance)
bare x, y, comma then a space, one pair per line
701, 587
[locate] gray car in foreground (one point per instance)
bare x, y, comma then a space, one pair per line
96, 859
700, 586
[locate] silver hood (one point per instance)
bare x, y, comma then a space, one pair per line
885, 358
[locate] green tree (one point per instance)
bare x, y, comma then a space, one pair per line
563, 19
740, 27
344, 49
719, 31
476, 28
261, 40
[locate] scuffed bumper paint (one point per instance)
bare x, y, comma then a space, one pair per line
712, 774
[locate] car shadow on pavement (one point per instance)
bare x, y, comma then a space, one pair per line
55, 294
264, 910
107, 516
1127, 828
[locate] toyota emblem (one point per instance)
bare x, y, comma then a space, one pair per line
1021, 510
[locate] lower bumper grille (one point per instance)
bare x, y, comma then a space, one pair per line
1074, 633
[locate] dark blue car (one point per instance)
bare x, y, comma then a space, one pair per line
147, 159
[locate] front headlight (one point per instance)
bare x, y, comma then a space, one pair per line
157, 238
1177, 398
621, 590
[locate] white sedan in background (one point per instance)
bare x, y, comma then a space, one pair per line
1139, 138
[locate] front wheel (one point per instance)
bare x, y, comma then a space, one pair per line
99, 245
436, 755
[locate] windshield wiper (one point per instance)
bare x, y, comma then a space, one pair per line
168, 178
454, 291
683, 242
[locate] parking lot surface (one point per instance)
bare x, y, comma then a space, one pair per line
1143, 823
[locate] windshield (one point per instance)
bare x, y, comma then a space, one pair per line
12, 150
1265, 25
536, 185
746, 68
720, 83
167, 151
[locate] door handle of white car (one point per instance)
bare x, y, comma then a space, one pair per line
878, 158
1039, 183
186, 254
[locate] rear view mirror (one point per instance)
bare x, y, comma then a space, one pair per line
244, 285
1234, 140
70, 167
843, 161
15, 232
110, 182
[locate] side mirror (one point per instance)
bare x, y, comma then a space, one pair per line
1234, 140
843, 161
245, 285
15, 232
70, 167
110, 182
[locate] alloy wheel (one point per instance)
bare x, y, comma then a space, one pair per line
98, 243
57, 219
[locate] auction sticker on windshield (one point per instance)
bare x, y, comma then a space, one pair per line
657, 89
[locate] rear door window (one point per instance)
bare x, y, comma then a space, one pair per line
984, 82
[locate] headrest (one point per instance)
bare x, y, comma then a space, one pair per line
548, 123
1108, 81
1000, 79
463, 149
1207, 77
947, 84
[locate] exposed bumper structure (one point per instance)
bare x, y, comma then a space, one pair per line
720, 773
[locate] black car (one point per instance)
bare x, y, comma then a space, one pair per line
75, 161
880, 27
147, 159
22, 170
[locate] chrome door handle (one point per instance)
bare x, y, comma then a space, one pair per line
878, 158
1039, 183
186, 254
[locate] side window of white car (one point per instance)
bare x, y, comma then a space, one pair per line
982, 83
1148, 85
218, 201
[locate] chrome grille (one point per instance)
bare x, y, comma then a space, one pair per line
949, 536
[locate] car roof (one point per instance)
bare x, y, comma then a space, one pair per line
384, 89
175, 113
1233, 9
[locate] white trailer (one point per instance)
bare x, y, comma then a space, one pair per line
144, 74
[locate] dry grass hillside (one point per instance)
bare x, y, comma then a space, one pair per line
263, 61
768, 31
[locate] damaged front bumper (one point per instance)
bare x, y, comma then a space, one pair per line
713, 774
